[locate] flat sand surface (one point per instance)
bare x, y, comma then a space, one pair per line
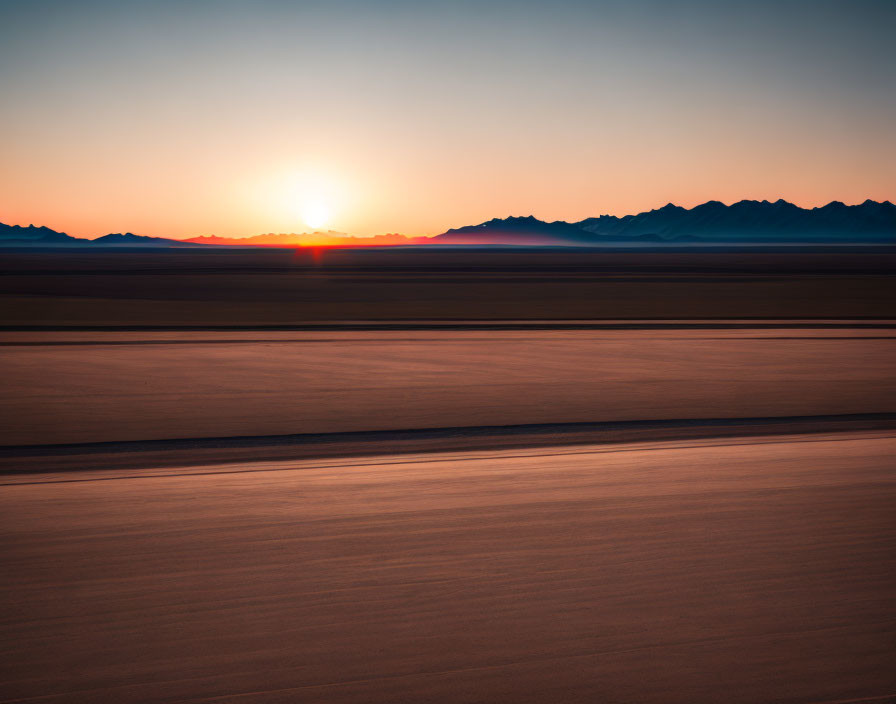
83, 387
749, 570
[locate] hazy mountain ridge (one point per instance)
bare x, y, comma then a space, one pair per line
306, 239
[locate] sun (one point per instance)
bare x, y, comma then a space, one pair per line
315, 213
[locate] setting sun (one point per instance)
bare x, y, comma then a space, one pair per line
309, 195
315, 214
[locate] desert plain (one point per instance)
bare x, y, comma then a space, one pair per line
384, 476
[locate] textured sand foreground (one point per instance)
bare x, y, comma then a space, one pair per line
80, 387
750, 570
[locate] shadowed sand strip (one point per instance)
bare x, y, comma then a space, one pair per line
466, 325
203, 451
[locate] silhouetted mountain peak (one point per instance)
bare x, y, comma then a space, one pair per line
512, 220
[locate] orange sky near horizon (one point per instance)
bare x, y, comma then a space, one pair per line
228, 119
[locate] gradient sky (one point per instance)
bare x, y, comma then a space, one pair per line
225, 117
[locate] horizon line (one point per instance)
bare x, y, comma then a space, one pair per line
339, 233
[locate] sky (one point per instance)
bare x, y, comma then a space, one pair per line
234, 118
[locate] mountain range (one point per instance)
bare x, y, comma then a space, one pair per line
309, 239
713, 222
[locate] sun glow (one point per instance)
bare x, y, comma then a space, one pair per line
291, 200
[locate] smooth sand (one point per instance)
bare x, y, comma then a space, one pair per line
755, 570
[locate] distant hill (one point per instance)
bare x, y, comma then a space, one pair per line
31, 236
130, 240
307, 239
712, 222
516, 230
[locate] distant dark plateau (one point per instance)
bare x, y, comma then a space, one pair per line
268, 287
